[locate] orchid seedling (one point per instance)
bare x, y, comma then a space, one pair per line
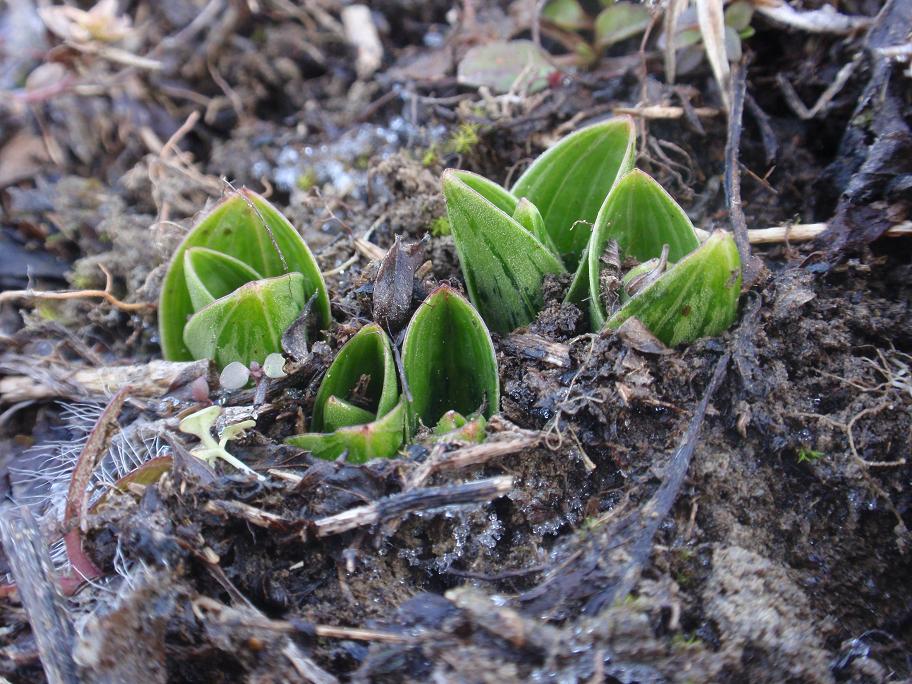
508, 241
239, 279
681, 290
358, 409
200, 425
581, 205
449, 362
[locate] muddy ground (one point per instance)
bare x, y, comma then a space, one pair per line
737, 510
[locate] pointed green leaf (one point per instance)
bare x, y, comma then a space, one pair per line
247, 227
246, 325
379, 439
211, 275
502, 262
620, 21
642, 217
449, 360
454, 427
570, 180
338, 413
527, 215
365, 363
491, 191
697, 297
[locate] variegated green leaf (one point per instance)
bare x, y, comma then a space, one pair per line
449, 360
364, 364
245, 227
697, 297
379, 439
502, 262
641, 217
246, 325
569, 181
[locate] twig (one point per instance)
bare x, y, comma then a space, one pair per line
415, 500
802, 232
105, 294
466, 457
227, 615
797, 106
732, 179
824, 20
38, 590
152, 379
664, 111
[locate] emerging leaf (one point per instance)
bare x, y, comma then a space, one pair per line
449, 360
242, 240
454, 427
364, 371
620, 21
379, 439
641, 217
502, 262
528, 216
698, 297
246, 325
569, 181
357, 408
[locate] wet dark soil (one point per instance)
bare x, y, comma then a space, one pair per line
785, 555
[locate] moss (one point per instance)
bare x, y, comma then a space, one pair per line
464, 138
440, 226
306, 180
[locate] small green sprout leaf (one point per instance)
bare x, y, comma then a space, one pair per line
379, 439
454, 427
528, 216
503, 263
620, 21
357, 407
449, 360
243, 241
568, 182
200, 425
212, 275
642, 218
363, 371
247, 325
697, 297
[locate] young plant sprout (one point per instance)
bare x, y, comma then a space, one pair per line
508, 241
449, 363
200, 425
681, 290
358, 408
238, 280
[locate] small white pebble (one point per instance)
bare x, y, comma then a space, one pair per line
234, 376
274, 366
